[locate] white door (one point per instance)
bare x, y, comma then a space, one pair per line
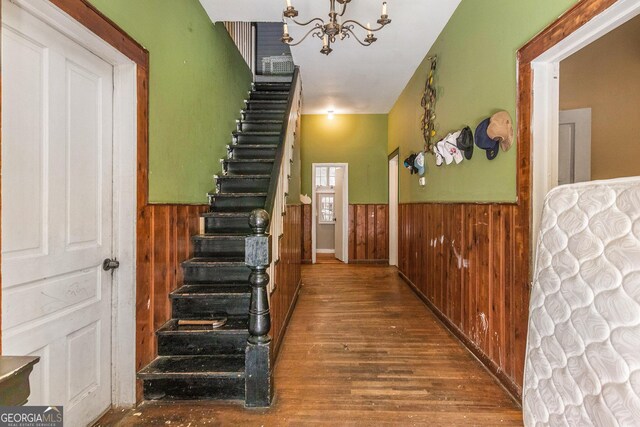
393, 211
338, 202
57, 214
574, 146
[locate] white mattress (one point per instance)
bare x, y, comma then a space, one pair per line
583, 347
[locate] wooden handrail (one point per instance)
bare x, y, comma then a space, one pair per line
277, 165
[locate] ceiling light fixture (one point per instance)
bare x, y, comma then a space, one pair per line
330, 114
328, 32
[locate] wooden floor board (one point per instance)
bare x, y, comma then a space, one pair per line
361, 349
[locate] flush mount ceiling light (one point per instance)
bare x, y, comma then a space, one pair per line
328, 32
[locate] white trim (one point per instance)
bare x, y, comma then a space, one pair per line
546, 90
326, 251
123, 338
345, 209
394, 166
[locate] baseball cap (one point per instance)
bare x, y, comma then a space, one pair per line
484, 141
501, 129
419, 162
452, 146
465, 142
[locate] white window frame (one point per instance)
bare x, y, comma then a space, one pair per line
320, 195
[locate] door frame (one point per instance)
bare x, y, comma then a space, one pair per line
345, 209
545, 94
82, 23
393, 206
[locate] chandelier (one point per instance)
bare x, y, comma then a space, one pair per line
333, 29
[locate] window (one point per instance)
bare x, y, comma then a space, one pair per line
325, 176
326, 209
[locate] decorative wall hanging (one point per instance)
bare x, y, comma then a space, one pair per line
429, 104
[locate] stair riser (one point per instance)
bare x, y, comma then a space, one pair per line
201, 344
261, 127
244, 185
232, 204
216, 274
248, 168
263, 115
256, 139
212, 248
269, 95
194, 389
272, 86
213, 225
240, 152
265, 105
205, 307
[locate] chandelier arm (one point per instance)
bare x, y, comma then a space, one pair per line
351, 21
356, 37
304, 24
344, 9
318, 34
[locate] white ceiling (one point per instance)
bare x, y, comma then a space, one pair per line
353, 79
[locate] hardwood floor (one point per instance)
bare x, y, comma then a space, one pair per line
361, 349
327, 259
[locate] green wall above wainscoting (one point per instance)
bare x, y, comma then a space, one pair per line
476, 77
198, 81
357, 139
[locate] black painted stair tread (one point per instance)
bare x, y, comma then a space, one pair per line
248, 146
256, 133
237, 195
205, 290
234, 235
264, 112
235, 325
225, 215
248, 161
164, 367
214, 262
239, 177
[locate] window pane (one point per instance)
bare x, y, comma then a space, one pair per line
332, 177
326, 208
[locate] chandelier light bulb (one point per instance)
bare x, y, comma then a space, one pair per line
384, 8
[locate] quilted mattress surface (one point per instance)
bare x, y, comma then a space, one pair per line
583, 346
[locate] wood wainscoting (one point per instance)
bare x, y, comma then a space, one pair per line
368, 234
465, 262
288, 276
164, 241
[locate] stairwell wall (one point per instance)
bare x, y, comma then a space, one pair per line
198, 81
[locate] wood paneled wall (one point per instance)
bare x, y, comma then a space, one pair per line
465, 262
288, 276
368, 233
164, 241
307, 218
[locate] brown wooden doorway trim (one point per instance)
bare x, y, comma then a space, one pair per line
572, 20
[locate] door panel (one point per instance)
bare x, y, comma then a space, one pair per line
57, 213
338, 210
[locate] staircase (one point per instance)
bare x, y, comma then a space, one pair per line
196, 361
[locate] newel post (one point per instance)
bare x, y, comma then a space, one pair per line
258, 380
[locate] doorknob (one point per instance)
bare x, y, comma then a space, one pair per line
110, 264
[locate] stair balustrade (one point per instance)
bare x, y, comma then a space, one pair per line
262, 253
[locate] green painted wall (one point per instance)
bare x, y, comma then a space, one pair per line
357, 139
198, 81
476, 77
